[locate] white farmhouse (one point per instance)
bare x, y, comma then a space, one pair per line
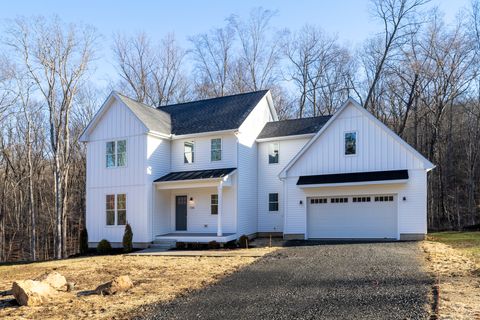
220, 168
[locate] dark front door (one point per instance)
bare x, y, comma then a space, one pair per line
181, 213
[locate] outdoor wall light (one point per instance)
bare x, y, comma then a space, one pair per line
191, 203
301, 202
404, 198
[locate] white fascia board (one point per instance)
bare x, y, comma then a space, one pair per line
292, 137
160, 135
271, 106
202, 134
349, 184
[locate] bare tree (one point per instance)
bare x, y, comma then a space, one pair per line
56, 57
151, 73
213, 59
397, 18
259, 52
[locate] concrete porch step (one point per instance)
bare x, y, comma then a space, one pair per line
163, 244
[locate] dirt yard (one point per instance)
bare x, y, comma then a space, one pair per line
458, 276
155, 279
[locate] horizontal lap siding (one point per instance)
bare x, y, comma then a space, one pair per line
199, 218
158, 203
202, 159
247, 167
268, 182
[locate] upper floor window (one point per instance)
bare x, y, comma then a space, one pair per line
216, 149
116, 209
116, 153
189, 152
350, 143
273, 152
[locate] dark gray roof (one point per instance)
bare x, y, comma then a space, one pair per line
197, 174
216, 114
292, 127
153, 119
354, 177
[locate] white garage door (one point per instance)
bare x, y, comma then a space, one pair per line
352, 217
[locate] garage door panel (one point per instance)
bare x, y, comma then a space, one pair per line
329, 218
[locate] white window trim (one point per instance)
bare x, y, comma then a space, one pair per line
115, 210
116, 166
268, 153
356, 143
221, 150
193, 152
277, 202
211, 204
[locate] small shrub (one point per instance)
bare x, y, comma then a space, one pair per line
243, 241
83, 241
231, 244
104, 247
213, 245
127, 239
180, 245
196, 246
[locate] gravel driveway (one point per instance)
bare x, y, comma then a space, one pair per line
316, 281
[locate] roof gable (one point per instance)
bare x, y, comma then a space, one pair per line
427, 165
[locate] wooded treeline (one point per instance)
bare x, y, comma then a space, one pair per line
419, 75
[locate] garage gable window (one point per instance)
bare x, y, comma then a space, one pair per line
350, 143
273, 152
273, 202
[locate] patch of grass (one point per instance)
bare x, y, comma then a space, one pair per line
468, 242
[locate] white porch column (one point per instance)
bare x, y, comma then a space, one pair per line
219, 214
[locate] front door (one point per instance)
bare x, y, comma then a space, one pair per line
181, 213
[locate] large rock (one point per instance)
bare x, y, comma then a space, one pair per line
54, 279
31, 292
118, 284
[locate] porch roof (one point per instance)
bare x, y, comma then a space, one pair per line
196, 175
354, 177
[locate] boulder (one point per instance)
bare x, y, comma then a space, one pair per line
54, 279
118, 284
31, 292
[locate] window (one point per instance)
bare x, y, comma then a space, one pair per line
338, 200
216, 149
350, 143
214, 204
189, 152
116, 153
383, 198
116, 204
318, 200
273, 202
273, 153
361, 199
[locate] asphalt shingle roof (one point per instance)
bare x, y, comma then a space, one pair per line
292, 127
216, 114
197, 174
155, 120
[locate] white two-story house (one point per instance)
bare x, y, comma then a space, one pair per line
220, 168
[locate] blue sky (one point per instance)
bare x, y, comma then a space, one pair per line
350, 20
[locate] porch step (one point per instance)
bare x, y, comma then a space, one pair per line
163, 244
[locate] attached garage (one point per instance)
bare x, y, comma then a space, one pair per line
352, 217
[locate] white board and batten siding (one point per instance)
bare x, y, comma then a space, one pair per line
377, 150
247, 167
268, 181
117, 123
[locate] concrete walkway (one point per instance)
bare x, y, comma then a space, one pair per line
252, 252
